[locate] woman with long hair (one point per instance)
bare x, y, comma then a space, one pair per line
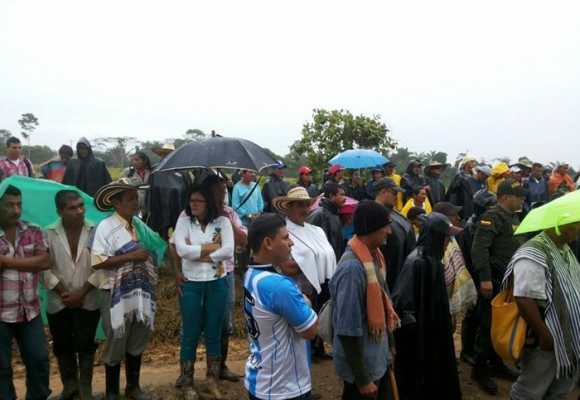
138, 174
204, 239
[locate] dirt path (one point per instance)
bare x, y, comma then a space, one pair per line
160, 370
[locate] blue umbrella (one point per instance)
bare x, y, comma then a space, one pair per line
359, 158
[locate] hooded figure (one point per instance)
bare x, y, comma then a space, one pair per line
85, 171
425, 364
412, 179
498, 175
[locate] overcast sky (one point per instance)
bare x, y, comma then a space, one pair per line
500, 78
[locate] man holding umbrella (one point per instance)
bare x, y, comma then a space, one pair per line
546, 277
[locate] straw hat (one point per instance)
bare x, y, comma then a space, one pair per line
103, 200
432, 164
295, 194
163, 151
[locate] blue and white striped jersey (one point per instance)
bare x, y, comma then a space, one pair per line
279, 363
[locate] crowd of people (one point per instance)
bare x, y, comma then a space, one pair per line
400, 258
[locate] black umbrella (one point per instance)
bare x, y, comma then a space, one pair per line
218, 152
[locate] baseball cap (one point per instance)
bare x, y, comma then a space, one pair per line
511, 187
387, 183
483, 169
335, 168
304, 170
378, 168
280, 165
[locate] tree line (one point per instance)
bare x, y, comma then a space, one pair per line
325, 135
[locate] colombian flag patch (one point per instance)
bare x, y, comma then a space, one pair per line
485, 223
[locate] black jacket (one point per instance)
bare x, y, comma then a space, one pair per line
273, 187
410, 181
399, 245
167, 197
460, 193
425, 365
87, 174
437, 192
326, 216
312, 190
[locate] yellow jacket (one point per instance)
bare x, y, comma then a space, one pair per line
410, 204
496, 177
399, 202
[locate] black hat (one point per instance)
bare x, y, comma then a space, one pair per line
446, 208
511, 187
386, 183
440, 223
369, 216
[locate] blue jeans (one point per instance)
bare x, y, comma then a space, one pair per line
34, 352
227, 327
202, 308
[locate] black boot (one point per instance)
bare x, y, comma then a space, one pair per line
112, 381
132, 372
468, 331
225, 373
86, 364
500, 370
69, 375
480, 374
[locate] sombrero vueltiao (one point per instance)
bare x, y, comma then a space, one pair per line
163, 151
102, 199
295, 194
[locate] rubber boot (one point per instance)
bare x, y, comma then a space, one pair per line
212, 375
468, 331
187, 370
112, 373
225, 373
132, 372
86, 365
69, 375
480, 374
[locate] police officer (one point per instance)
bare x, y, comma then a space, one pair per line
493, 246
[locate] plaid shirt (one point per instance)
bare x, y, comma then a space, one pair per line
19, 299
9, 168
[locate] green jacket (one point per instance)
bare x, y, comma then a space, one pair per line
494, 244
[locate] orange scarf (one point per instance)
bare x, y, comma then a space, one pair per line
380, 311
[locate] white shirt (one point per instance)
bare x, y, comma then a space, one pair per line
72, 274
312, 252
530, 280
218, 231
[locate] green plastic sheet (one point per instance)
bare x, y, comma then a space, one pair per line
38, 208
